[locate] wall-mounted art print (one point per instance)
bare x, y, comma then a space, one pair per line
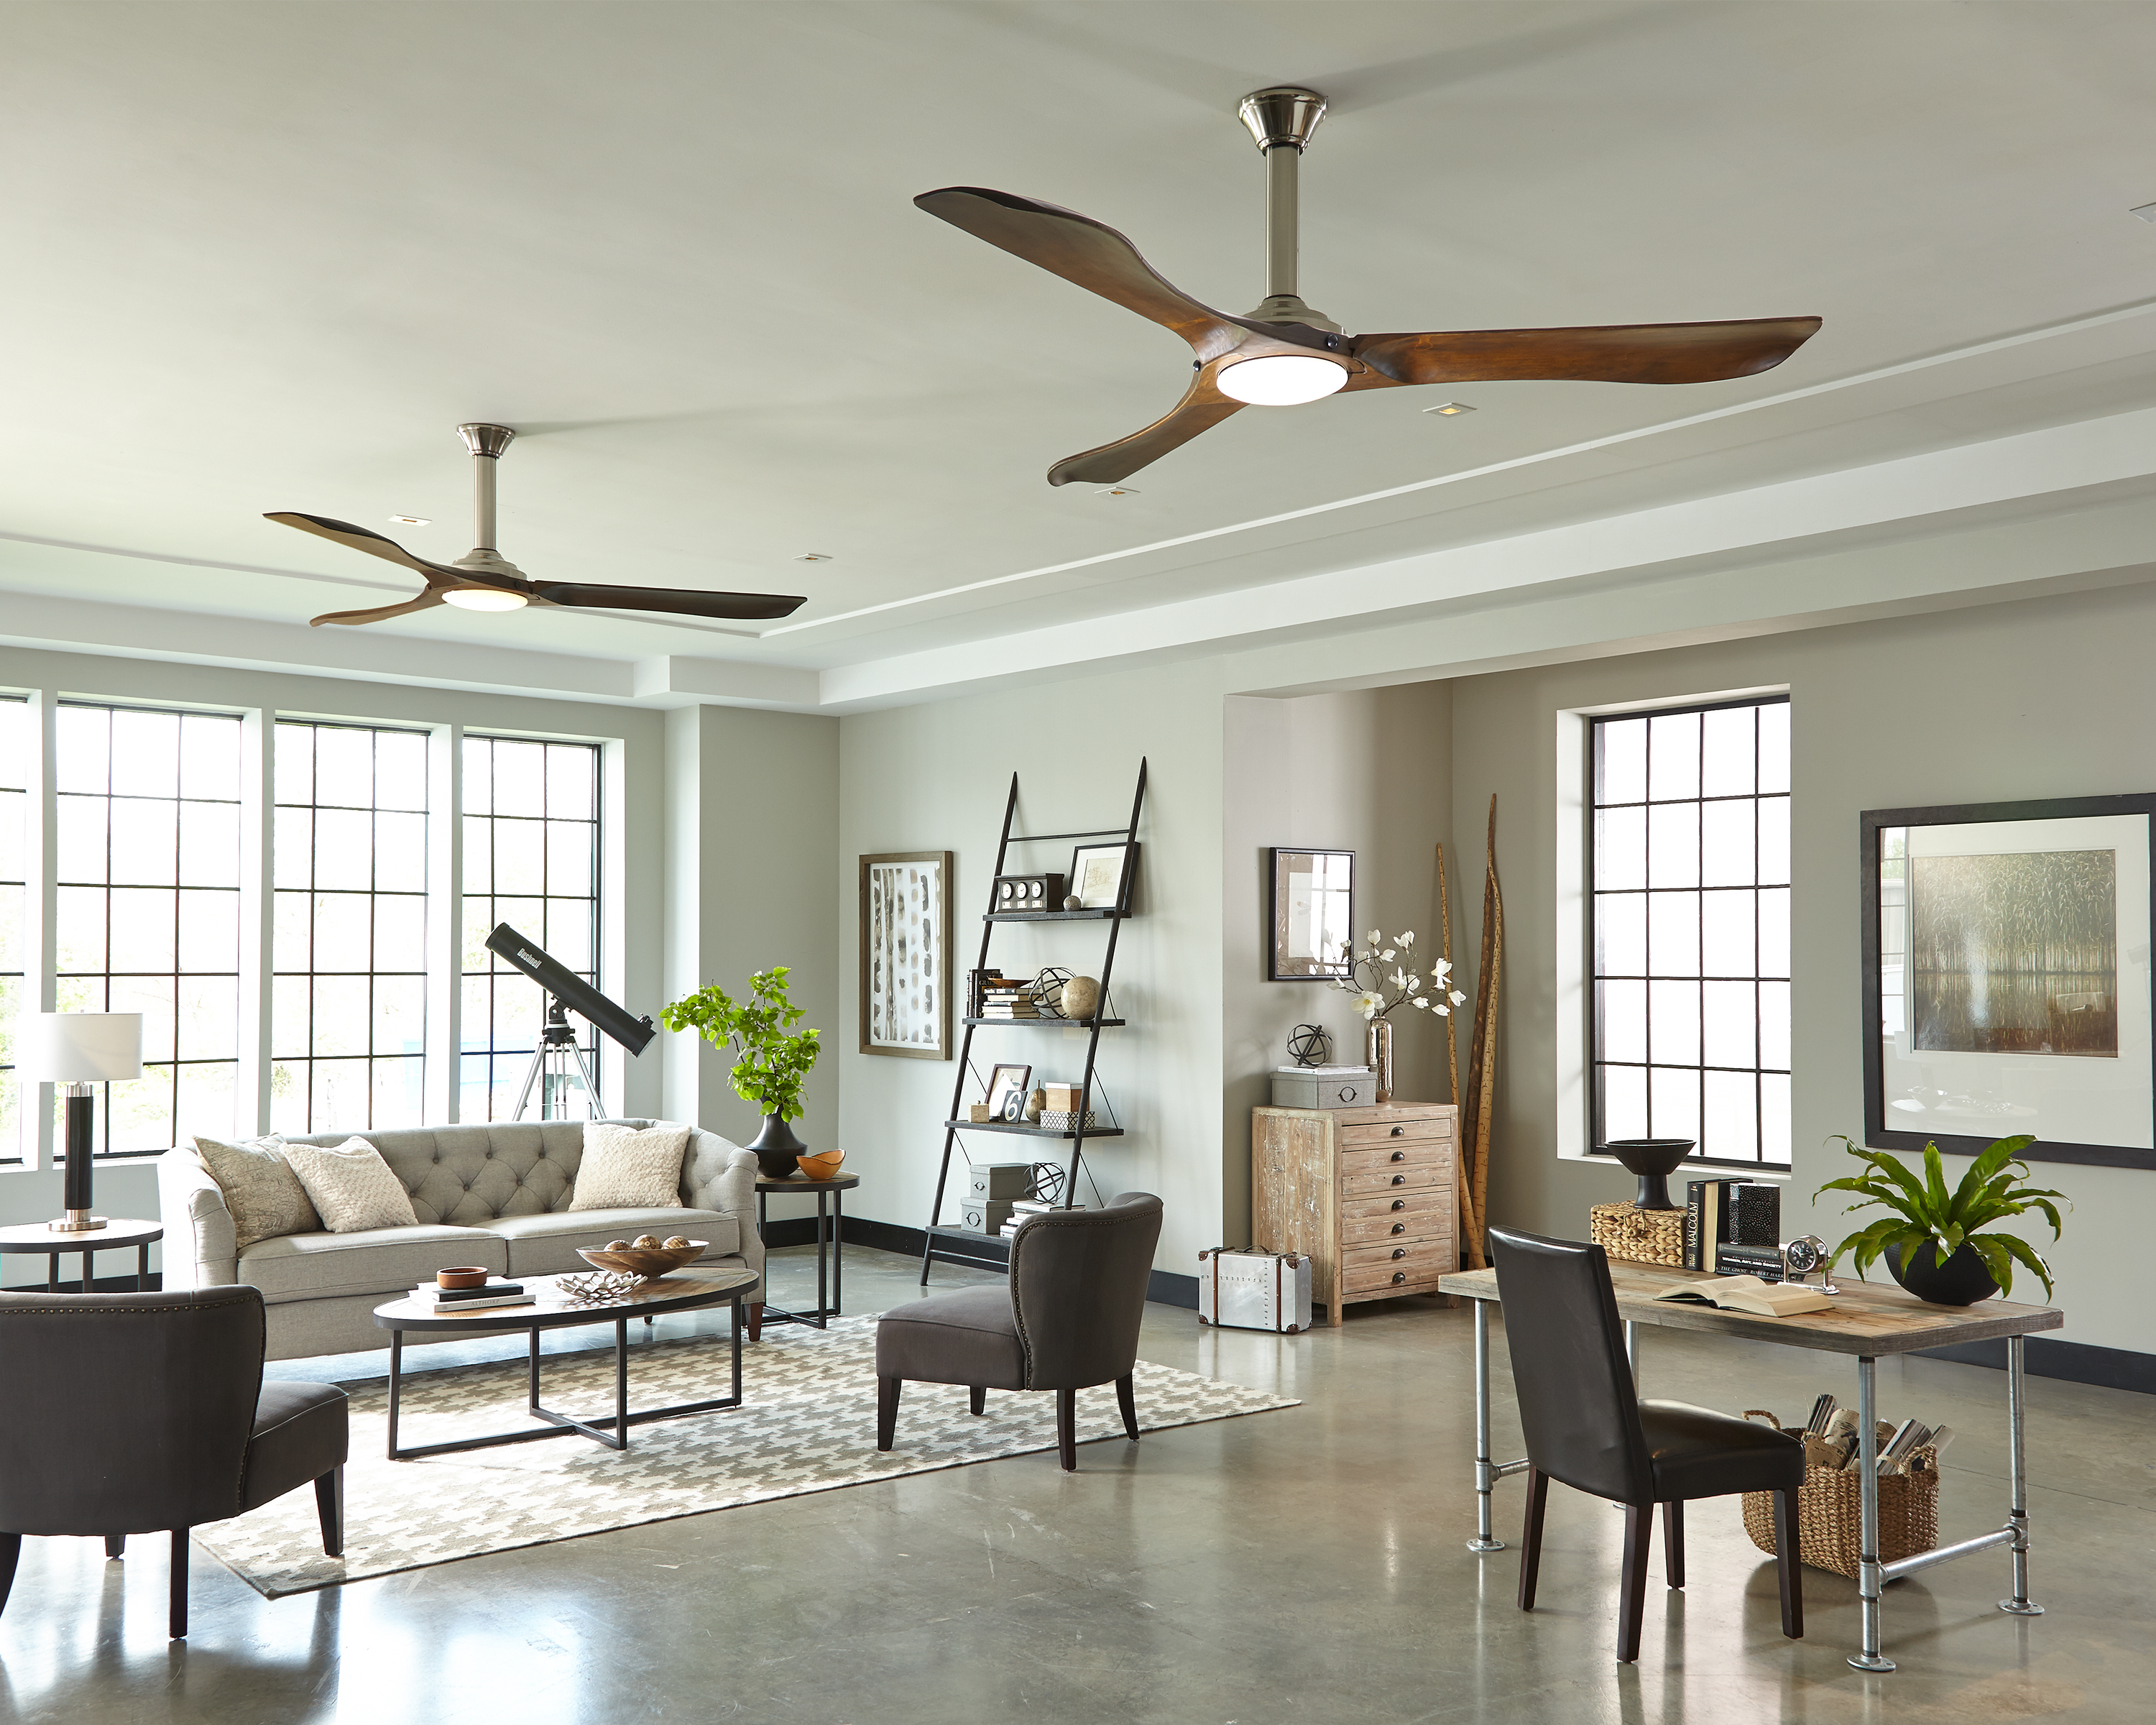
1310, 908
906, 955
2007, 978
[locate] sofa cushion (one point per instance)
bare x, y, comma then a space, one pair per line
626, 1169
352, 1186
264, 1195
382, 1260
546, 1245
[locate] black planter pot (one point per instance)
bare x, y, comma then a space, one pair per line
1652, 1160
1962, 1280
777, 1148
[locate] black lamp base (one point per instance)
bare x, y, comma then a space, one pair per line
81, 1119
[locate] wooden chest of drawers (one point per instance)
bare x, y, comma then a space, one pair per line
1369, 1194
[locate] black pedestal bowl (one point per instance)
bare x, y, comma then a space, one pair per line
1653, 1160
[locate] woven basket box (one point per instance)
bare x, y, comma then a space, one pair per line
1829, 1532
1640, 1236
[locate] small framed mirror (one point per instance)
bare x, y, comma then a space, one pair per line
1312, 915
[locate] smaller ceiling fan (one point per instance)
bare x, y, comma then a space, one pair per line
482, 579
1284, 353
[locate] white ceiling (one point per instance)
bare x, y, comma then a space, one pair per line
265, 257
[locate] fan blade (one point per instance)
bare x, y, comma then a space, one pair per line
359, 539
1202, 408
432, 595
1617, 353
687, 602
1087, 253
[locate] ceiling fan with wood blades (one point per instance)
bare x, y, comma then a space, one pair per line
482, 579
1285, 353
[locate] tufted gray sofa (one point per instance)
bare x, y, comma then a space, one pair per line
497, 1195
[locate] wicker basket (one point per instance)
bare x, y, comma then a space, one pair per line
1830, 1515
1640, 1236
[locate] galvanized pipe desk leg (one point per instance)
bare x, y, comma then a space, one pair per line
1484, 1475
1869, 1581
2017, 1468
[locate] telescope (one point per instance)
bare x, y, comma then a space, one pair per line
557, 1041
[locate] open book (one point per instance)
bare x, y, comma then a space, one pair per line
1748, 1293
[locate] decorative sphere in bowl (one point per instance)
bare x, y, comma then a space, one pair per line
647, 1263
821, 1166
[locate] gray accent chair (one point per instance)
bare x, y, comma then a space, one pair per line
147, 1412
1067, 1320
496, 1195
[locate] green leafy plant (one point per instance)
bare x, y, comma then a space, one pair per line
770, 1066
1925, 1213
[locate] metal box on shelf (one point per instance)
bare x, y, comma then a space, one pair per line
1324, 1087
984, 1215
999, 1179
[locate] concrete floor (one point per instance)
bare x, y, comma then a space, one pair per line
1285, 1567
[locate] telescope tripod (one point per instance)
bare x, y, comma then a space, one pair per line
553, 1063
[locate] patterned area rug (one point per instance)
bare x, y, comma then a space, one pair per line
807, 1423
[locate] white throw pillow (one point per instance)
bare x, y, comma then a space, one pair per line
264, 1195
352, 1187
625, 1168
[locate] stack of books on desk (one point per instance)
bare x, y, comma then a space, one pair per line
492, 1292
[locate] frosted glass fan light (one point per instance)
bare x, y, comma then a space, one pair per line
483, 598
1281, 380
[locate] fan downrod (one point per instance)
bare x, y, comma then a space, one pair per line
486, 443
1281, 119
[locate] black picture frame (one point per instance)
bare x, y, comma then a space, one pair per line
1074, 881
1021, 1085
1281, 966
1871, 822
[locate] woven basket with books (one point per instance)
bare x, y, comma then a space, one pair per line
1625, 1230
1829, 1513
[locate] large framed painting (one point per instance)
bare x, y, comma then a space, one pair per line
906, 955
1311, 911
2006, 979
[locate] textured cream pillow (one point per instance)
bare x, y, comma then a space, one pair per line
264, 1196
627, 1169
352, 1186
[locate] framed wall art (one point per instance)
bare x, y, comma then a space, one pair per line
1311, 910
905, 954
1007, 1091
2007, 978
1101, 876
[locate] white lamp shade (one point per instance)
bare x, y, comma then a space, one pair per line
80, 1047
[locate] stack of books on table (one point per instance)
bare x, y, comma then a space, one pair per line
492, 1293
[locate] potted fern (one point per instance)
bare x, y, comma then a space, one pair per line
770, 1064
1932, 1241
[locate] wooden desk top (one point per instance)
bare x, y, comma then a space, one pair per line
1868, 1318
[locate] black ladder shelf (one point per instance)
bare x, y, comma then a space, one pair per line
959, 1246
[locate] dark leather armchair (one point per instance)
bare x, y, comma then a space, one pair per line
1586, 1426
147, 1412
1068, 1320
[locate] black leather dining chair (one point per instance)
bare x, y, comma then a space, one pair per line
1586, 1426
1067, 1320
147, 1412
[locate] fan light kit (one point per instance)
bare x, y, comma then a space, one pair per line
482, 579
1286, 354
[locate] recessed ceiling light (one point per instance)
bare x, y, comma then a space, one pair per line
411, 520
1116, 491
813, 557
2146, 212
1448, 409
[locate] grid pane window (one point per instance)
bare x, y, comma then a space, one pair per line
1689, 902
147, 880
15, 744
348, 864
531, 859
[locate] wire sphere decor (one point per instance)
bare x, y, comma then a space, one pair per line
1046, 989
1311, 1046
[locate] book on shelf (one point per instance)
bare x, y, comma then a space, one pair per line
1748, 1293
1707, 1220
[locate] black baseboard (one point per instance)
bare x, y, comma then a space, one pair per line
99, 1285
1163, 1289
2075, 1362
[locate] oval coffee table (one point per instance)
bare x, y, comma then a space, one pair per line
559, 1309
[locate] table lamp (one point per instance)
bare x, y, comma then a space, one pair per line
78, 1050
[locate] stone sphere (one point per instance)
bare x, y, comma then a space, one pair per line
1081, 997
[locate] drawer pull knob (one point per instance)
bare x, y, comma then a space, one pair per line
1399, 1275
1400, 1251
1398, 1156
1399, 1132
1399, 1228
1399, 1203
1399, 1180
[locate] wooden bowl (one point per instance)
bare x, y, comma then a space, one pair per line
648, 1263
464, 1275
821, 1166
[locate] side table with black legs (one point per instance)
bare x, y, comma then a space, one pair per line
115, 1235
830, 1216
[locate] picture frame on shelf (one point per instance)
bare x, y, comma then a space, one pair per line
1101, 874
905, 954
2007, 978
1005, 1081
1311, 914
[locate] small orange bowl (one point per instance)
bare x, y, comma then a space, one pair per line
464, 1275
821, 1166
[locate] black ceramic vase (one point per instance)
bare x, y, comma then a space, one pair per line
1652, 1160
777, 1147
1962, 1280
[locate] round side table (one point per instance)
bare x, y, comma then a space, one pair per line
116, 1234
829, 1228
